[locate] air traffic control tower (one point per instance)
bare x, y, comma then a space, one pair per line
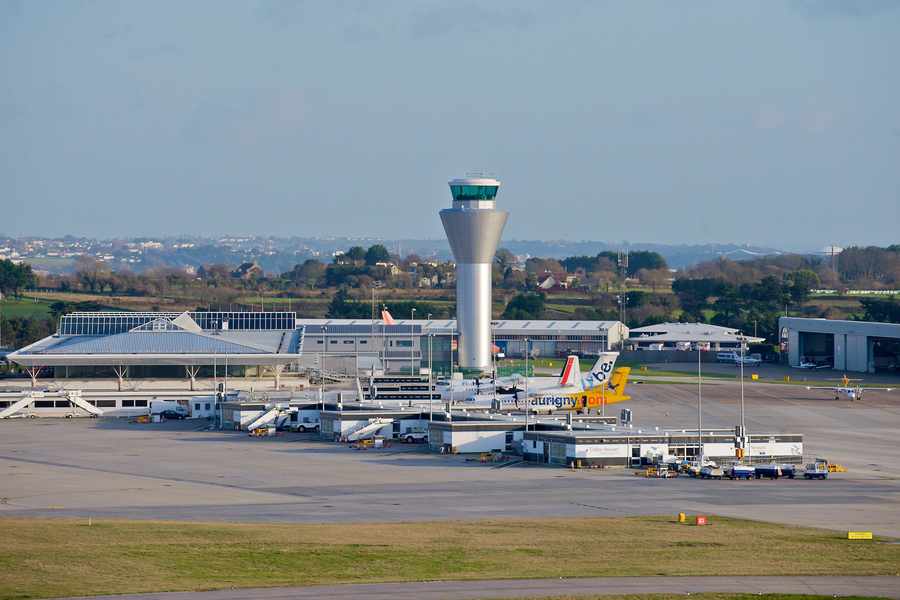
473, 229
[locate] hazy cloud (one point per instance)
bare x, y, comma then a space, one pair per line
455, 17
845, 8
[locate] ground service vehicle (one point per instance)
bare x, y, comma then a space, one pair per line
711, 472
816, 470
773, 471
741, 472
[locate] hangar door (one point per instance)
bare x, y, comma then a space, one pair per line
817, 348
884, 355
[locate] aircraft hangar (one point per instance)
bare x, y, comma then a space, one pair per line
858, 346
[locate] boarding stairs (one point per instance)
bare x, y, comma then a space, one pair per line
16, 406
318, 376
270, 417
367, 429
75, 398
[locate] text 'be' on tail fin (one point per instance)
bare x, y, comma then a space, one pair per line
602, 369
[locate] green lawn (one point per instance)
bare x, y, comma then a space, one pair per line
42, 558
705, 597
26, 307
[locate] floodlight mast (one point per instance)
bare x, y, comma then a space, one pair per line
473, 226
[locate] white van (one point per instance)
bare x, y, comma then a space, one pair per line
727, 357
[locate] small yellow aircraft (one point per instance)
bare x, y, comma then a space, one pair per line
585, 400
851, 388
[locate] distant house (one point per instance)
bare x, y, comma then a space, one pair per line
247, 270
391, 267
427, 282
551, 283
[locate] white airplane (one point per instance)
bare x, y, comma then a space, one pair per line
546, 394
808, 364
853, 392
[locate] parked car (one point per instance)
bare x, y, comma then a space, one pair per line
415, 436
305, 425
726, 357
173, 415
751, 360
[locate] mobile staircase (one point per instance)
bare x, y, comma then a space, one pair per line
274, 416
73, 396
367, 430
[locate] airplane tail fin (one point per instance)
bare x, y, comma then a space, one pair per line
571, 373
601, 370
617, 385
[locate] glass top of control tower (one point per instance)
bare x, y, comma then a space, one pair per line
474, 188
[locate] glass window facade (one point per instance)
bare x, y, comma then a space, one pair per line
99, 323
473, 192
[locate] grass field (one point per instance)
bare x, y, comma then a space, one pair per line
50, 557
131, 303
24, 308
706, 597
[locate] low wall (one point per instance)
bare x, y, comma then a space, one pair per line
647, 357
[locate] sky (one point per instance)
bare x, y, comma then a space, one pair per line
772, 123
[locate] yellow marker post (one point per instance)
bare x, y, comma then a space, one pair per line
682, 517
859, 535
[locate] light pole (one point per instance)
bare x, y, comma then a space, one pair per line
324, 345
322, 367
699, 408
452, 334
742, 384
743, 426
603, 399
412, 353
430, 394
383, 339
526, 386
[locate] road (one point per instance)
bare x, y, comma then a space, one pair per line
886, 587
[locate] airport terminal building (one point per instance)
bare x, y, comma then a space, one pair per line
857, 346
688, 336
203, 344
164, 345
409, 343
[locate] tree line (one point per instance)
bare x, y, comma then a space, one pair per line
14, 278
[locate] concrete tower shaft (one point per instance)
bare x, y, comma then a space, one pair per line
473, 228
